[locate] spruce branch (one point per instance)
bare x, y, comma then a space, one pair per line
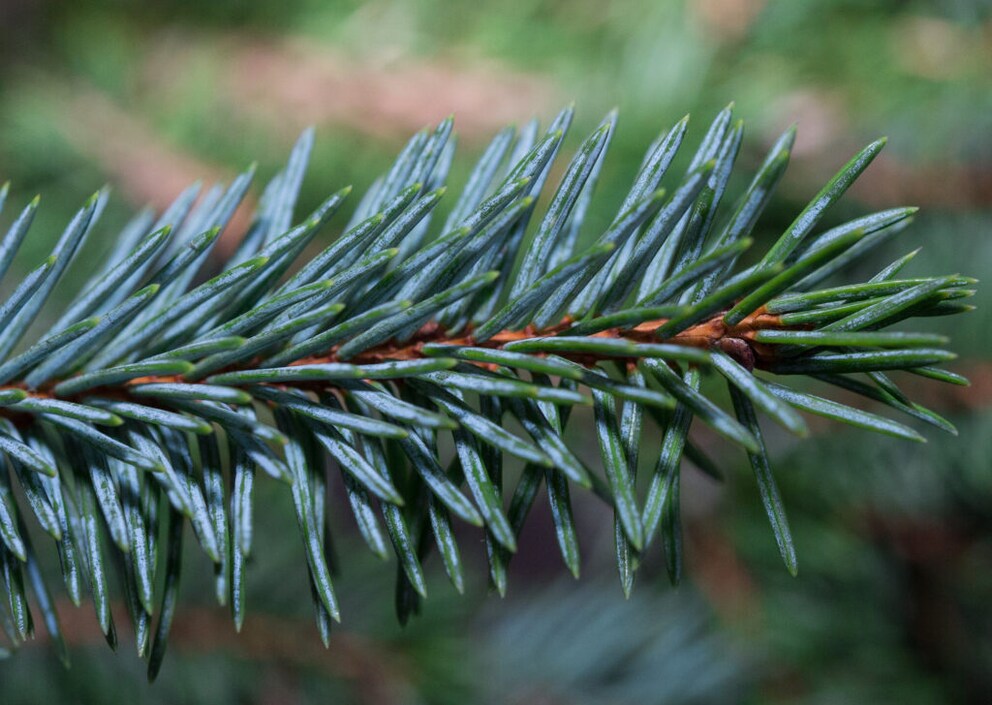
153, 400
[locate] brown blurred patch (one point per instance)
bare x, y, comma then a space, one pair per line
891, 180
953, 398
143, 166
285, 86
824, 142
140, 164
727, 19
721, 573
937, 49
376, 673
292, 83
820, 116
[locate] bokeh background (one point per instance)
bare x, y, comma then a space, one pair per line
892, 601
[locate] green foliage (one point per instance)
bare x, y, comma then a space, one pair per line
414, 360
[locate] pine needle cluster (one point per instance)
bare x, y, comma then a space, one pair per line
430, 364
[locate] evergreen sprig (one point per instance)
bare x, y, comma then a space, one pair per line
399, 355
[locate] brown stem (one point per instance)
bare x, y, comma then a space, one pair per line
736, 340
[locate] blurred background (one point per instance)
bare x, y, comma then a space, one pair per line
892, 600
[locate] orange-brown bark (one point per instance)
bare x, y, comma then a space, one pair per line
736, 340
